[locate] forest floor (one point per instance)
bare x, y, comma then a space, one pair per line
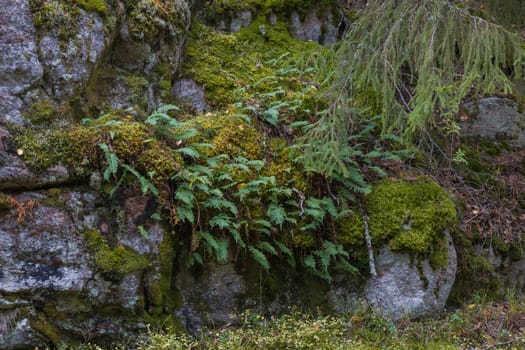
482, 324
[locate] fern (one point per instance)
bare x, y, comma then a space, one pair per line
145, 184
111, 159
259, 257
267, 247
276, 214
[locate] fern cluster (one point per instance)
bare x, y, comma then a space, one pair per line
230, 206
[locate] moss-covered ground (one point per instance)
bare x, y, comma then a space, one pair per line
481, 324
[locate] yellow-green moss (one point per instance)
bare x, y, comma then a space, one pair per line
408, 215
282, 166
5, 201
229, 135
42, 326
113, 261
93, 5
76, 147
145, 17
41, 112
231, 67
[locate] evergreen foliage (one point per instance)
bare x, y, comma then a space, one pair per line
421, 59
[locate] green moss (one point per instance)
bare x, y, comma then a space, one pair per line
231, 67
41, 112
93, 5
138, 87
42, 326
475, 273
76, 147
148, 18
409, 216
5, 201
228, 134
114, 262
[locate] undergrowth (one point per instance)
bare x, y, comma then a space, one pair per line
482, 324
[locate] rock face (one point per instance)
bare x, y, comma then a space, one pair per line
410, 288
55, 284
70, 52
17, 40
77, 265
495, 117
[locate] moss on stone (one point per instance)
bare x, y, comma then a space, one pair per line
407, 215
228, 134
149, 18
41, 112
475, 273
113, 261
93, 5
233, 66
42, 326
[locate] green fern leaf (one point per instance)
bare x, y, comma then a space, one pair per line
189, 151
222, 252
112, 161
309, 262
185, 214
145, 184
210, 240
143, 232
237, 237
267, 247
221, 221
276, 214
259, 257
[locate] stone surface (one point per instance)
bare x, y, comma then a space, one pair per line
495, 117
402, 289
319, 26
47, 269
190, 92
19, 63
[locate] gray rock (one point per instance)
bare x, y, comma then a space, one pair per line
68, 63
213, 298
401, 289
242, 19
19, 62
189, 91
318, 26
44, 257
495, 117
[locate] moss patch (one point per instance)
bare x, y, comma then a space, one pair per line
409, 216
231, 67
114, 262
93, 5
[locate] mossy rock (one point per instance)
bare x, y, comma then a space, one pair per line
407, 215
232, 67
228, 134
113, 262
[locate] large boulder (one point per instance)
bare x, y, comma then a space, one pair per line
407, 287
495, 117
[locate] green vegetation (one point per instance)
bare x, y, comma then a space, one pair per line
479, 325
413, 71
408, 215
113, 262
93, 5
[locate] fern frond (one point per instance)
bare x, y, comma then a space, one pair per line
111, 159
267, 247
259, 257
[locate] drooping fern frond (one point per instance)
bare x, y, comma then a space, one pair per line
259, 257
